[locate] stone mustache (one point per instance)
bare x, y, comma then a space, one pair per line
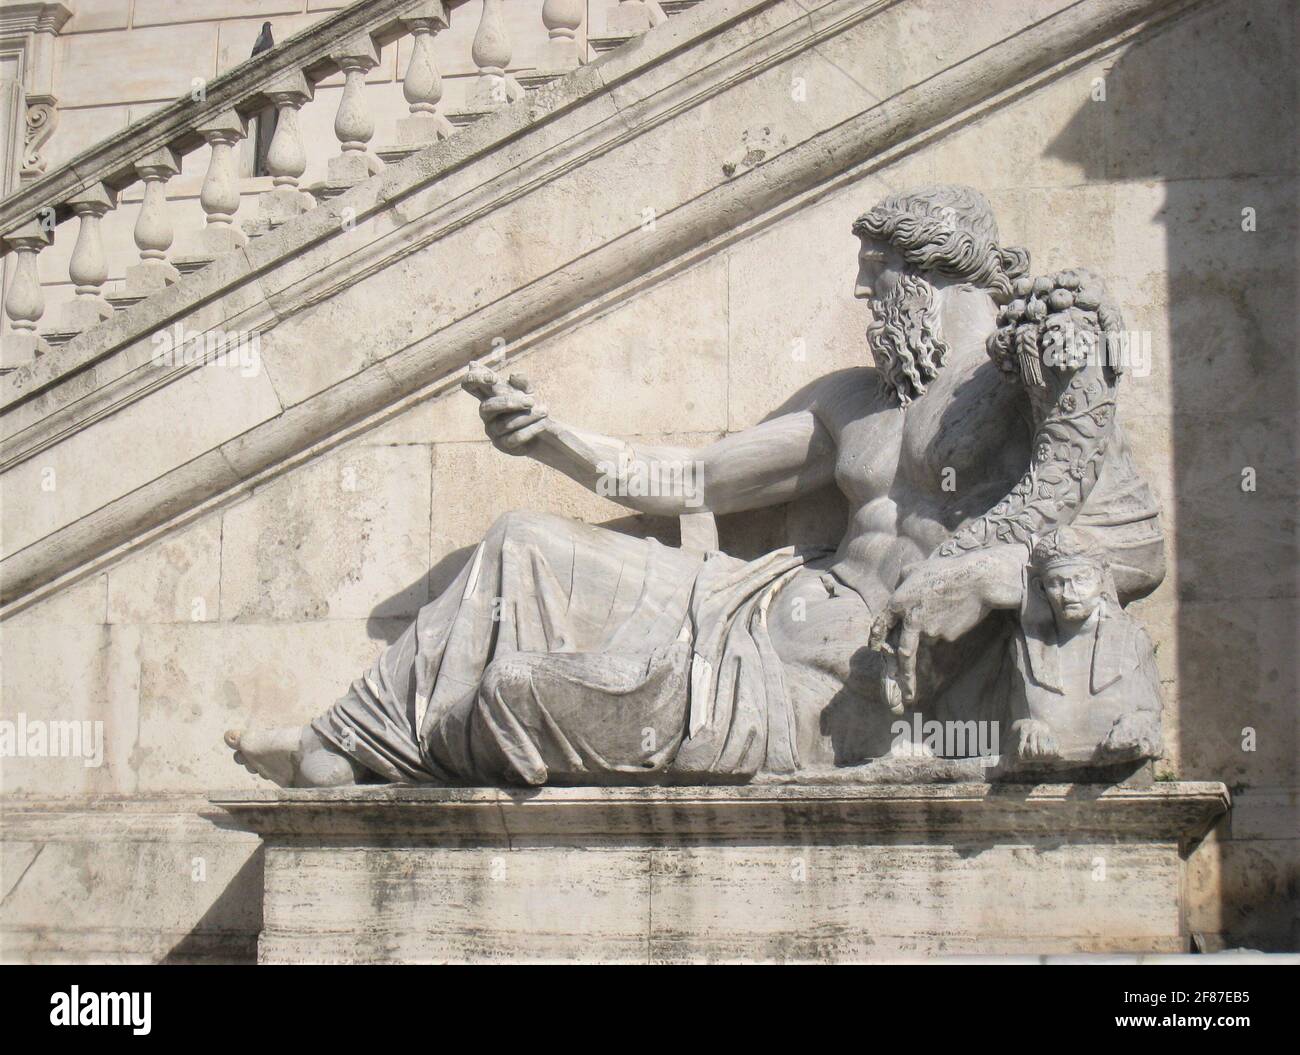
996, 526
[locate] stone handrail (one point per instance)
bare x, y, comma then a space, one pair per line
217, 113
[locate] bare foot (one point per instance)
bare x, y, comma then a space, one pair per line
294, 757
274, 754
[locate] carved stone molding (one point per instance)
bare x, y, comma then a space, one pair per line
42, 119
16, 19
29, 30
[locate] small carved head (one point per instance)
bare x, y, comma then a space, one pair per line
1071, 571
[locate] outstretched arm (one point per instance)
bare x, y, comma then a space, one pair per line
768, 464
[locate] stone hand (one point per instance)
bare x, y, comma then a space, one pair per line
1133, 736
941, 599
511, 415
1034, 740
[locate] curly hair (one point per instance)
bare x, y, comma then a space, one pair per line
904, 339
948, 229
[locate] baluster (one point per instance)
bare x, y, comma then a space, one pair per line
353, 124
24, 301
491, 53
630, 17
562, 19
422, 85
88, 268
220, 194
286, 159
153, 228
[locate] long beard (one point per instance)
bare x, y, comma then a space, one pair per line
904, 339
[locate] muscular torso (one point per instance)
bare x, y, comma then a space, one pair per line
910, 477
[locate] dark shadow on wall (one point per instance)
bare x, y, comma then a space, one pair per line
227, 932
1200, 140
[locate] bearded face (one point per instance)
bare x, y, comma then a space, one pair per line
904, 335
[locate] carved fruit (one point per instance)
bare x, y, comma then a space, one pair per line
1088, 299
1060, 299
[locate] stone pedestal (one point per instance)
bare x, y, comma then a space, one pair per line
790, 873
19, 349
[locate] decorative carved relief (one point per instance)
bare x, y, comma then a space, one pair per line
42, 119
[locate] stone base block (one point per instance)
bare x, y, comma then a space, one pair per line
752, 873
277, 206
559, 56
81, 313
218, 238
125, 880
149, 276
634, 17
352, 167
420, 130
492, 92
19, 349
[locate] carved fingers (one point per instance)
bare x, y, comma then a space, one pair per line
1133, 736
897, 633
512, 416
940, 600
1034, 740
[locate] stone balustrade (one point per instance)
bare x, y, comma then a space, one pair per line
277, 85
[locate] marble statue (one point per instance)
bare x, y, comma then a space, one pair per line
565, 653
1087, 689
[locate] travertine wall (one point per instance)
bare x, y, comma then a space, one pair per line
1170, 168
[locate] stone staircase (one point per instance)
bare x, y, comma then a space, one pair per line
219, 115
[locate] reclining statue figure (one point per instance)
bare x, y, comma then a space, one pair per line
565, 653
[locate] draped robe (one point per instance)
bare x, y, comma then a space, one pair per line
568, 654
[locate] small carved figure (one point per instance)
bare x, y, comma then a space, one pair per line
1087, 689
